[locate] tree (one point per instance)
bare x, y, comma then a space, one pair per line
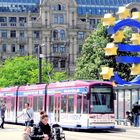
24, 70
88, 65
92, 55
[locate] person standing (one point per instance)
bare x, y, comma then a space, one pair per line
3, 109
135, 111
42, 131
27, 112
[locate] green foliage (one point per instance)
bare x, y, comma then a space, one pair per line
92, 55
59, 76
24, 70
88, 65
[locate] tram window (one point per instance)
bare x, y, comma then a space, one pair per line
35, 104
70, 103
51, 103
29, 100
85, 104
2, 100
79, 103
63, 103
40, 103
25, 100
12, 103
20, 103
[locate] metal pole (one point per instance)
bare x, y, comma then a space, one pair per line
39, 65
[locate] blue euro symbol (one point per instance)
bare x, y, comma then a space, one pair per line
127, 48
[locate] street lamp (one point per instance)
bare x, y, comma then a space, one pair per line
40, 56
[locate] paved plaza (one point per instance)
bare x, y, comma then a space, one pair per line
121, 132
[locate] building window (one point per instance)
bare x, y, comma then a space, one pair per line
62, 34
61, 19
62, 49
13, 48
55, 34
92, 22
46, 39
36, 34
12, 19
33, 18
56, 19
55, 48
3, 19
3, 34
80, 35
22, 21
55, 64
21, 48
73, 21
13, 34
59, 7
62, 63
35, 48
4, 47
21, 33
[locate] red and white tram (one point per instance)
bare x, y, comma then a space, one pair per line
73, 104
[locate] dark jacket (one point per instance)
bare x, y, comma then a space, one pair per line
136, 109
39, 130
2, 109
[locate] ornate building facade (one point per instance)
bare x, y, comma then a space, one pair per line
58, 26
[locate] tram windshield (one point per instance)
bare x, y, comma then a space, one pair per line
101, 100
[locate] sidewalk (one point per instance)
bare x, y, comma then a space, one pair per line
11, 132
128, 127
15, 132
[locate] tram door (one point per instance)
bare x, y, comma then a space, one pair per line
8, 106
9, 110
30, 100
57, 107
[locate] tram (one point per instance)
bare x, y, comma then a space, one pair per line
75, 104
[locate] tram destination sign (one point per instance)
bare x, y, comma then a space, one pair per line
101, 90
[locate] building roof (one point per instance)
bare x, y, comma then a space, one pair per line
100, 7
85, 7
19, 6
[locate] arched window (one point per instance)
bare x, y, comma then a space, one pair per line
62, 34
59, 7
55, 35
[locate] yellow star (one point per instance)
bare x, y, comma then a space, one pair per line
135, 39
135, 69
136, 16
118, 36
123, 13
106, 72
110, 49
108, 20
